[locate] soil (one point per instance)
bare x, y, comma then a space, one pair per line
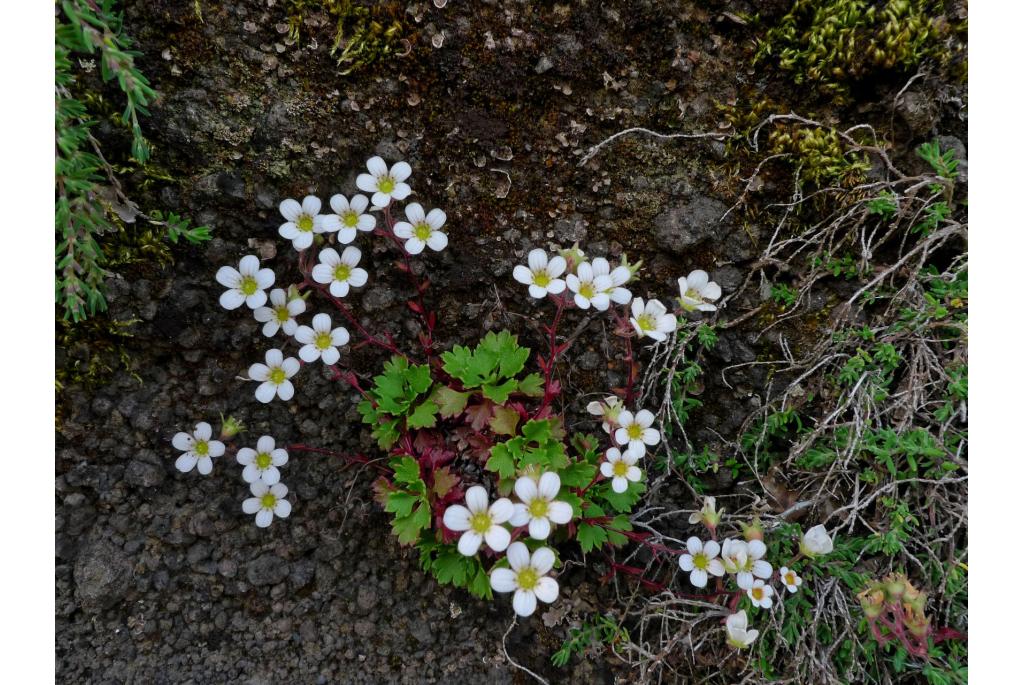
160, 578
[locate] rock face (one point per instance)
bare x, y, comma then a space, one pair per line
692, 223
102, 576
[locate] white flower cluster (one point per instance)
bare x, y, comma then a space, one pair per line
339, 273
744, 560
539, 511
596, 284
261, 469
632, 433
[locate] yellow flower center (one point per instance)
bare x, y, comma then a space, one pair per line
480, 522
646, 322
263, 461
527, 578
202, 448
282, 313
322, 341
305, 223
587, 290
700, 560
757, 593
692, 294
248, 285
385, 184
277, 376
342, 272
351, 219
541, 278
268, 500
538, 508
620, 469
422, 231
635, 432
790, 578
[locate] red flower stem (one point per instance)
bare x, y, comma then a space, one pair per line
425, 317
553, 353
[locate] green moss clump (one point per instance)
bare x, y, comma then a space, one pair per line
362, 35
829, 43
819, 155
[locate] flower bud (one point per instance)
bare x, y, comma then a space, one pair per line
816, 542
917, 624
633, 268
707, 515
573, 256
872, 601
230, 427
753, 531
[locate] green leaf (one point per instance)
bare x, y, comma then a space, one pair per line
407, 469
449, 402
501, 461
386, 433
424, 416
480, 585
532, 385
538, 431
499, 393
400, 503
408, 528
577, 475
504, 421
590, 536
622, 501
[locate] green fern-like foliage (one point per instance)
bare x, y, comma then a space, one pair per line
85, 182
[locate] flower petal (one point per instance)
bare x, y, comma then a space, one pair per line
542, 560
502, 510
264, 517
546, 589
498, 538
540, 528
524, 602
549, 485
183, 441
456, 517
476, 499
518, 556
401, 171
503, 580
560, 512
228, 277
469, 543
290, 209
232, 299
186, 462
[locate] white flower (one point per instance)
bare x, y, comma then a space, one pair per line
744, 559
422, 230
589, 288
790, 579
736, 630
352, 216
385, 185
708, 514
340, 271
281, 313
267, 502
261, 463
696, 292
198, 449
608, 410
302, 221
527, 576
761, 594
652, 320
542, 275
321, 341
538, 506
621, 468
700, 560
273, 376
816, 542
246, 284
619, 276
636, 431
479, 522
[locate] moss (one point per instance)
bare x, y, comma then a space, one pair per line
831, 43
92, 350
362, 35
